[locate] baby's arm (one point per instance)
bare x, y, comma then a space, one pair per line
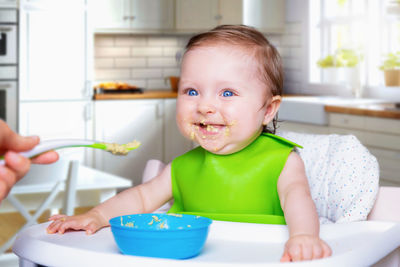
300, 214
143, 198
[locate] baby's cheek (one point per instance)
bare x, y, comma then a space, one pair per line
184, 126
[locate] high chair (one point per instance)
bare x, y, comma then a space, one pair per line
343, 178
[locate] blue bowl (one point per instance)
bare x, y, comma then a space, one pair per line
174, 236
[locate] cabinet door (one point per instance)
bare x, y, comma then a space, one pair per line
58, 120
265, 15
230, 11
196, 15
174, 142
109, 14
152, 14
52, 50
122, 121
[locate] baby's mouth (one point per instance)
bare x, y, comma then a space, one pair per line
209, 128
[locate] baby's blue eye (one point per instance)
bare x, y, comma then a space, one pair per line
227, 93
192, 92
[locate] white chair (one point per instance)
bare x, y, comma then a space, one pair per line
67, 176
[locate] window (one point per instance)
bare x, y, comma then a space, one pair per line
365, 29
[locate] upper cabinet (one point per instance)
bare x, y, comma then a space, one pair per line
187, 16
265, 15
131, 15
206, 14
53, 45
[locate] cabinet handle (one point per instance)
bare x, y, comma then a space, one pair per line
126, 17
218, 17
5, 86
160, 110
5, 29
132, 17
88, 90
88, 112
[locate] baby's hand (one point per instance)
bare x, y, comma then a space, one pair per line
90, 222
305, 247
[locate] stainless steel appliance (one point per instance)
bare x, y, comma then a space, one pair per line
9, 66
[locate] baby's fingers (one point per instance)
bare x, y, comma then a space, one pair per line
285, 257
56, 217
295, 252
91, 228
54, 226
327, 251
317, 252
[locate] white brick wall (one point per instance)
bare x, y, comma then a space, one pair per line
145, 61
290, 45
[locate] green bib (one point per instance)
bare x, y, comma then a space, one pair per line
240, 187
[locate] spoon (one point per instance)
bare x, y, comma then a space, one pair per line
48, 145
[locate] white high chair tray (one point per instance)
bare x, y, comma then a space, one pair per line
228, 244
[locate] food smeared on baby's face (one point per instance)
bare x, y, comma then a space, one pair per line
123, 149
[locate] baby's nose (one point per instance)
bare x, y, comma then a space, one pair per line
206, 106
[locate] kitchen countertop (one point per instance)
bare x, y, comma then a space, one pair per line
382, 110
147, 94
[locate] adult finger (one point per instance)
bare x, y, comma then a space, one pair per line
17, 164
46, 158
7, 179
10, 140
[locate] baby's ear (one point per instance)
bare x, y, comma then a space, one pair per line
272, 109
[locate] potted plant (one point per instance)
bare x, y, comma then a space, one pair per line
391, 69
342, 68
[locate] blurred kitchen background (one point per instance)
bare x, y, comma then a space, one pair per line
100, 69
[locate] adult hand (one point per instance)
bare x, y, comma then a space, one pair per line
16, 166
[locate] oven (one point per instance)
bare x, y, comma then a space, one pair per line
9, 66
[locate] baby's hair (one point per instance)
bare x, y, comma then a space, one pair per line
255, 42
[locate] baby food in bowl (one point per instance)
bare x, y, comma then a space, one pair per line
174, 236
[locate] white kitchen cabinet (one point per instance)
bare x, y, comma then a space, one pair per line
109, 14
53, 44
127, 15
122, 121
150, 121
59, 120
268, 16
206, 14
380, 135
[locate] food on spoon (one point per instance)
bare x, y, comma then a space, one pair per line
124, 149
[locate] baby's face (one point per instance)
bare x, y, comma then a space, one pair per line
221, 100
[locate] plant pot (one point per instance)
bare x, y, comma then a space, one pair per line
392, 77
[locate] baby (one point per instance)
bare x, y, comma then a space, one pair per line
229, 91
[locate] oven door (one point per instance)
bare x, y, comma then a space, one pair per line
9, 103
